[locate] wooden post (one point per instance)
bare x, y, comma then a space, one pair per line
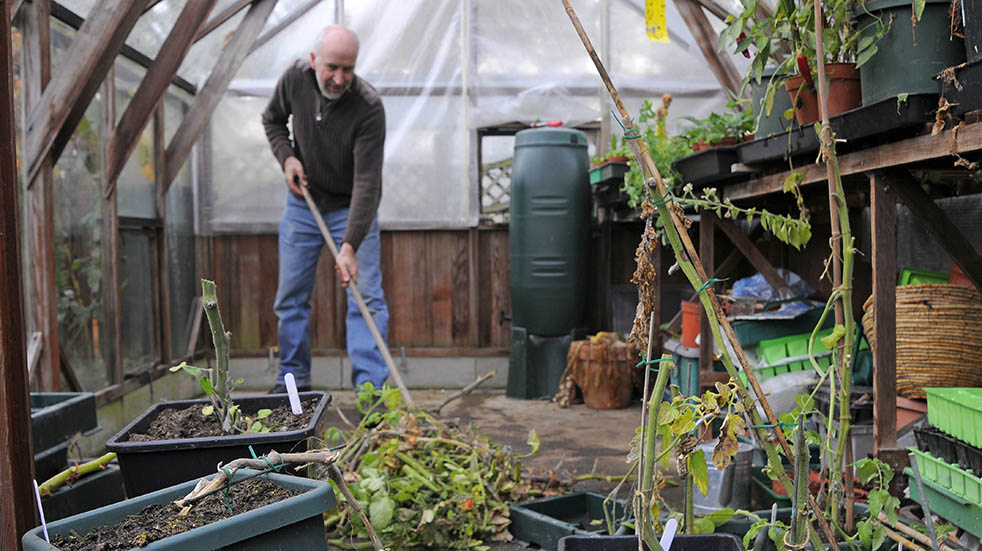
707, 234
883, 208
163, 271
111, 299
39, 215
16, 469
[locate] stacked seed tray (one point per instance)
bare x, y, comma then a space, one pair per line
949, 456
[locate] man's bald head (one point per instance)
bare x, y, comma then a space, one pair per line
333, 60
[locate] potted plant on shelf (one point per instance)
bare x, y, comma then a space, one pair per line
664, 149
727, 128
786, 40
173, 442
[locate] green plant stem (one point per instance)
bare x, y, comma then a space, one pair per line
649, 468
842, 280
690, 515
684, 251
74, 472
220, 338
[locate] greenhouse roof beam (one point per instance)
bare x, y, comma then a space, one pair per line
153, 87
63, 104
296, 14
698, 24
73, 20
214, 89
222, 17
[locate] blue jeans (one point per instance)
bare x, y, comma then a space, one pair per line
300, 248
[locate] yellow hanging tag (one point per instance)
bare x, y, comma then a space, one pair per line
654, 20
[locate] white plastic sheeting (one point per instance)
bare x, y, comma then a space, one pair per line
445, 68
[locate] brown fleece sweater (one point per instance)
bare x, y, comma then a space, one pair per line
340, 143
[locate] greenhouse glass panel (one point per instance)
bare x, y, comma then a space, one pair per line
135, 187
201, 58
265, 65
137, 296
78, 186
179, 227
152, 28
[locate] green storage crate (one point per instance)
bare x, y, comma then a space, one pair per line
686, 372
957, 411
952, 478
948, 506
751, 332
609, 172
789, 354
913, 276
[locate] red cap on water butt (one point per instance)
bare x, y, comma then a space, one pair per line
554, 123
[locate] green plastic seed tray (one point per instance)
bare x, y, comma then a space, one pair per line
950, 477
957, 411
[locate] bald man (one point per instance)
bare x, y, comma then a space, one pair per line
336, 152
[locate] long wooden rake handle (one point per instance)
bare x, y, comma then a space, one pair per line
382, 346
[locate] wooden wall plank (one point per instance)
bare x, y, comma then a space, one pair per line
441, 267
249, 291
883, 208
16, 470
500, 286
460, 277
269, 268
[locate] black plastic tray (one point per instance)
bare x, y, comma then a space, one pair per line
149, 466
710, 165
50, 462
887, 120
609, 195
544, 521
686, 542
57, 416
947, 447
969, 97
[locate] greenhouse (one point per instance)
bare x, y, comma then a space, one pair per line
474, 274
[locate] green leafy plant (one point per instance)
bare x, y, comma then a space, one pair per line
664, 149
217, 383
424, 484
714, 129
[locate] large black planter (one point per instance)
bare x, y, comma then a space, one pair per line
294, 523
700, 542
149, 466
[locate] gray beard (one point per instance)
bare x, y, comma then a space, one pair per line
327, 94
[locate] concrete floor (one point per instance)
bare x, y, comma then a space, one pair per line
574, 441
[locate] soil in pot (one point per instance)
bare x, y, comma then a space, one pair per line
188, 422
156, 522
845, 92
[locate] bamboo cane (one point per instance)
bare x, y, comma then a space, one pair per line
688, 259
360, 301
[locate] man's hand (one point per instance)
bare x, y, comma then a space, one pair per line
293, 172
347, 266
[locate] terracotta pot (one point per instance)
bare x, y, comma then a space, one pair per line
699, 146
845, 92
727, 140
605, 373
617, 159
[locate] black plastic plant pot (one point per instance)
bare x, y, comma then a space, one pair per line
711, 165
149, 466
50, 461
87, 493
545, 521
294, 523
57, 416
964, 92
696, 542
